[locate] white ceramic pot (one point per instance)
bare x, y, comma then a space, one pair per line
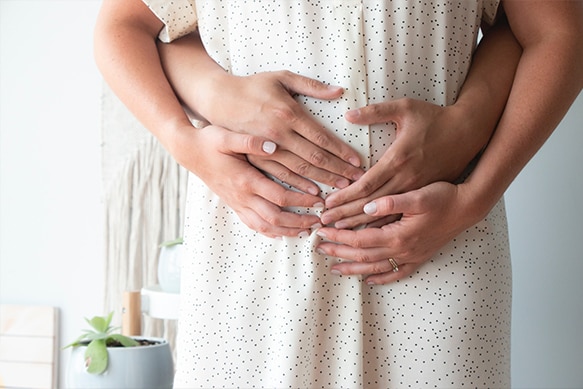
140, 367
169, 268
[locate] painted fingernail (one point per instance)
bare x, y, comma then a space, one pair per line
370, 208
336, 272
269, 147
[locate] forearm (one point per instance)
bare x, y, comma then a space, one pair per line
485, 92
548, 79
187, 65
127, 56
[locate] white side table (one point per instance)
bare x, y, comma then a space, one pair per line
151, 301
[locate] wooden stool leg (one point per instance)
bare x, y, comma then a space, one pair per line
131, 314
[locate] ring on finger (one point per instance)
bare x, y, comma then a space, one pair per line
394, 265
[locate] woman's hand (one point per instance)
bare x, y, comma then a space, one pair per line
429, 147
263, 105
431, 217
222, 165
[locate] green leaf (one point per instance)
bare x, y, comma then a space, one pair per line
96, 357
77, 341
124, 340
172, 242
98, 323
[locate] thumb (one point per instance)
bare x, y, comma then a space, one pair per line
405, 203
311, 87
248, 144
387, 111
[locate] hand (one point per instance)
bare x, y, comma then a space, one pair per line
429, 147
220, 162
431, 217
263, 105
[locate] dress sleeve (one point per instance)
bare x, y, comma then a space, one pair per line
490, 11
179, 17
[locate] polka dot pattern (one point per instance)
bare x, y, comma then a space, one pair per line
258, 312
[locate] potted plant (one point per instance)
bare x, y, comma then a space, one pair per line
101, 358
169, 265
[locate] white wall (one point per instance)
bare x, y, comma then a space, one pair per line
545, 215
50, 190
51, 209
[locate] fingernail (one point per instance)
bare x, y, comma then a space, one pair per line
335, 87
269, 147
321, 234
318, 205
352, 114
342, 183
325, 219
370, 283
313, 191
303, 234
316, 226
370, 208
354, 161
336, 272
357, 176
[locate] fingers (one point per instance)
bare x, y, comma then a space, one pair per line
235, 143
310, 87
313, 131
377, 113
290, 168
285, 175
377, 177
408, 202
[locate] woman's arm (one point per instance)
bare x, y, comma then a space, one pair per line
548, 79
126, 53
263, 105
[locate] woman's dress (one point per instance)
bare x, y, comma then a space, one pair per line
259, 312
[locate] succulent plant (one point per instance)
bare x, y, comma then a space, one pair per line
97, 340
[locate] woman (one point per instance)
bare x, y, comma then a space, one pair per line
263, 312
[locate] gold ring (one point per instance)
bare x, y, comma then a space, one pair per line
394, 265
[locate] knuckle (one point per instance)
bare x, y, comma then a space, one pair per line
285, 114
323, 140
367, 187
312, 83
357, 242
303, 168
272, 133
279, 200
362, 257
377, 268
283, 175
318, 158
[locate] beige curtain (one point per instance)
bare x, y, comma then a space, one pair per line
144, 193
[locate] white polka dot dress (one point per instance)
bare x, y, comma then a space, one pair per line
264, 313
